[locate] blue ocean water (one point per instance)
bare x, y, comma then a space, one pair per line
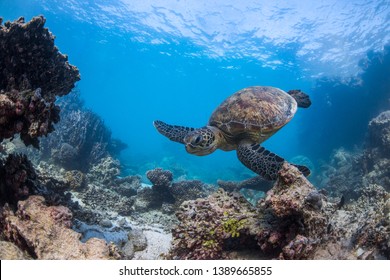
176, 61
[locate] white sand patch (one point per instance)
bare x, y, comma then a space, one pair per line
159, 243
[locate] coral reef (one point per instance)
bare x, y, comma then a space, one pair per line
209, 227
33, 73
81, 138
106, 200
18, 179
288, 224
9, 251
128, 186
343, 175
75, 179
375, 159
105, 171
295, 221
44, 233
361, 230
348, 172
167, 194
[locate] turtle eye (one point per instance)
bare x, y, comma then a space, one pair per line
197, 139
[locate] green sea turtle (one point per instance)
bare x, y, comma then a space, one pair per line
242, 122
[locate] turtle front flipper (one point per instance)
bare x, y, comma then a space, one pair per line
263, 162
173, 132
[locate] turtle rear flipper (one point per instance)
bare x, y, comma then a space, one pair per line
263, 162
173, 132
302, 99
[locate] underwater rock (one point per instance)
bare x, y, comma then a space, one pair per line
256, 183
138, 239
106, 223
294, 209
289, 194
9, 251
128, 250
159, 193
160, 178
18, 178
33, 73
105, 230
44, 233
350, 171
375, 158
66, 155
373, 232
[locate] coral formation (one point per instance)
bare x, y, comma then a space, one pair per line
106, 200
375, 160
294, 209
167, 194
18, 178
9, 251
33, 73
349, 171
210, 227
81, 138
105, 171
288, 223
361, 230
128, 186
44, 233
75, 179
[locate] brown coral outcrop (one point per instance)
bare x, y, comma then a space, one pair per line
44, 232
33, 72
210, 227
295, 212
18, 178
9, 251
288, 224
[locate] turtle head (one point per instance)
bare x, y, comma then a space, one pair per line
202, 141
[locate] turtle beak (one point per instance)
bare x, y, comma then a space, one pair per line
189, 148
